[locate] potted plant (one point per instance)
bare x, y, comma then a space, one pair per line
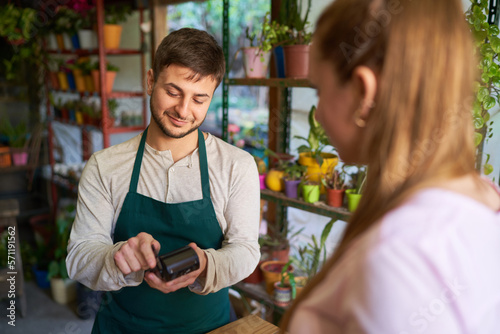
334, 182
292, 177
274, 177
63, 289
256, 56
17, 138
312, 256
296, 50
285, 289
354, 193
311, 154
85, 28
112, 107
311, 189
64, 25
110, 74
271, 271
113, 16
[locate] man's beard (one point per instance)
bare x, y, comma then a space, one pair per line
156, 117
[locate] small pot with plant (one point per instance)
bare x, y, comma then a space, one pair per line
311, 190
311, 154
285, 289
272, 273
113, 16
292, 177
17, 138
334, 182
112, 107
110, 76
353, 194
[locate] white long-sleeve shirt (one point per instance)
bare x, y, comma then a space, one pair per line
234, 190
430, 266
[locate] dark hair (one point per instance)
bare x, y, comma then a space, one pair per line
194, 49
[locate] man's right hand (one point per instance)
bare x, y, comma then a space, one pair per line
136, 254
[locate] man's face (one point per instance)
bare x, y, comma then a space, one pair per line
179, 103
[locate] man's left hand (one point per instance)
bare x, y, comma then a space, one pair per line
181, 282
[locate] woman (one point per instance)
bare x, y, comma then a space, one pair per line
421, 253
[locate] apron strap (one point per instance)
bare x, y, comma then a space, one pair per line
202, 151
137, 165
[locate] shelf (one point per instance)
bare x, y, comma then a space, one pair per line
82, 53
271, 82
114, 94
319, 207
257, 292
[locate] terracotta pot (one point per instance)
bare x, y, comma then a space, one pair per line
54, 80
335, 197
256, 277
256, 62
5, 160
112, 36
272, 273
296, 61
276, 253
110, 80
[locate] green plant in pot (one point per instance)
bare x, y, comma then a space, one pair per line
114, 15
311, 189
293, 174
63, 289
334, 182
358, 179
285, 289
311, 154
313, 255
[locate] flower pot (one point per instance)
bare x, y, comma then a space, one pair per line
296, 61
291, 188
352, 200
60, 41
276, 253
63, 81
274, 180
71, 80
79, 80
256, 276
256, 62
314, 171
52, 43
75, 41
88, 39
89, 83
19, 157
335, 197
279, 59
112, 36
5, 159
54, 80
271, 271
110, 80
262, 179
79, 117
67, 41
64, 114
63, 290
310, 192
41, 277
282, 294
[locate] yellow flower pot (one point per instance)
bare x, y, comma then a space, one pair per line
314, 171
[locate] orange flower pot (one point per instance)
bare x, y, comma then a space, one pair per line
110, 79
79, 80
60, 41
63, 80
112, 36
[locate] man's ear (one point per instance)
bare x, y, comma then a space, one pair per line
365, 83
150, 81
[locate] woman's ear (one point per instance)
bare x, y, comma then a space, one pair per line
365, 84
150, 81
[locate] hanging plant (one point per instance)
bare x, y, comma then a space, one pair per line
487, 44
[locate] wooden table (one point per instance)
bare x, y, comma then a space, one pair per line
251, 324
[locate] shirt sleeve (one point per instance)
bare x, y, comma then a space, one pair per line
91, 249
239, 254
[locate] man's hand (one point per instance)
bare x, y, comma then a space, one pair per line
181, 282
136, 254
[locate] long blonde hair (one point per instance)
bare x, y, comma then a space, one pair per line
420, 129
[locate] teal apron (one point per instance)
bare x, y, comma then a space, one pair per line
142, 309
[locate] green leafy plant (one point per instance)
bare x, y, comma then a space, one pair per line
17, 135
269, 35
288, 279
312, 256
291, 17
487, 44
116, 14
334, 179
112, 106
358, 178
294, 171
316, 140
16, 23
57, 266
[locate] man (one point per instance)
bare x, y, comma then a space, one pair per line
169, 187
